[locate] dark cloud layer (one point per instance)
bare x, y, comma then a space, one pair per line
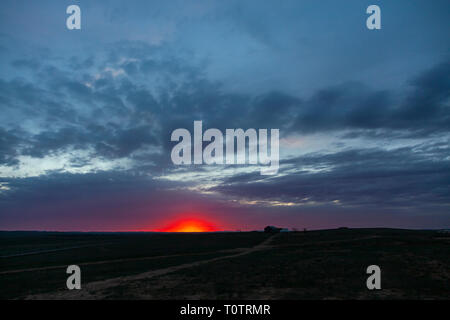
424, 107
403, 178
119, 116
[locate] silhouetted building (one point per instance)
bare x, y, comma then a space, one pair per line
272, 229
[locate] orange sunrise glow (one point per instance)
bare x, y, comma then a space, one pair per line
189, 225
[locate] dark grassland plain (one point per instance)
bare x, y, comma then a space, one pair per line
325, 264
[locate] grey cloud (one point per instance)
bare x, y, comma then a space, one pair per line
404, 177
9, 143
117, 116
424, 108
32, 64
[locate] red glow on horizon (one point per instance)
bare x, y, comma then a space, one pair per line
189, 225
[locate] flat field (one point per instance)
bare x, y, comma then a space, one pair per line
325, 264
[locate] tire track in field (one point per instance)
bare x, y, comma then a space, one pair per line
118, 260
93, 290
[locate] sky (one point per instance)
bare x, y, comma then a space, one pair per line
86, 115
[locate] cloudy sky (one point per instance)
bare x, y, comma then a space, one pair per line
86, 115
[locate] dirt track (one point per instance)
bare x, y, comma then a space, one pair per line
94, 290
116, 261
